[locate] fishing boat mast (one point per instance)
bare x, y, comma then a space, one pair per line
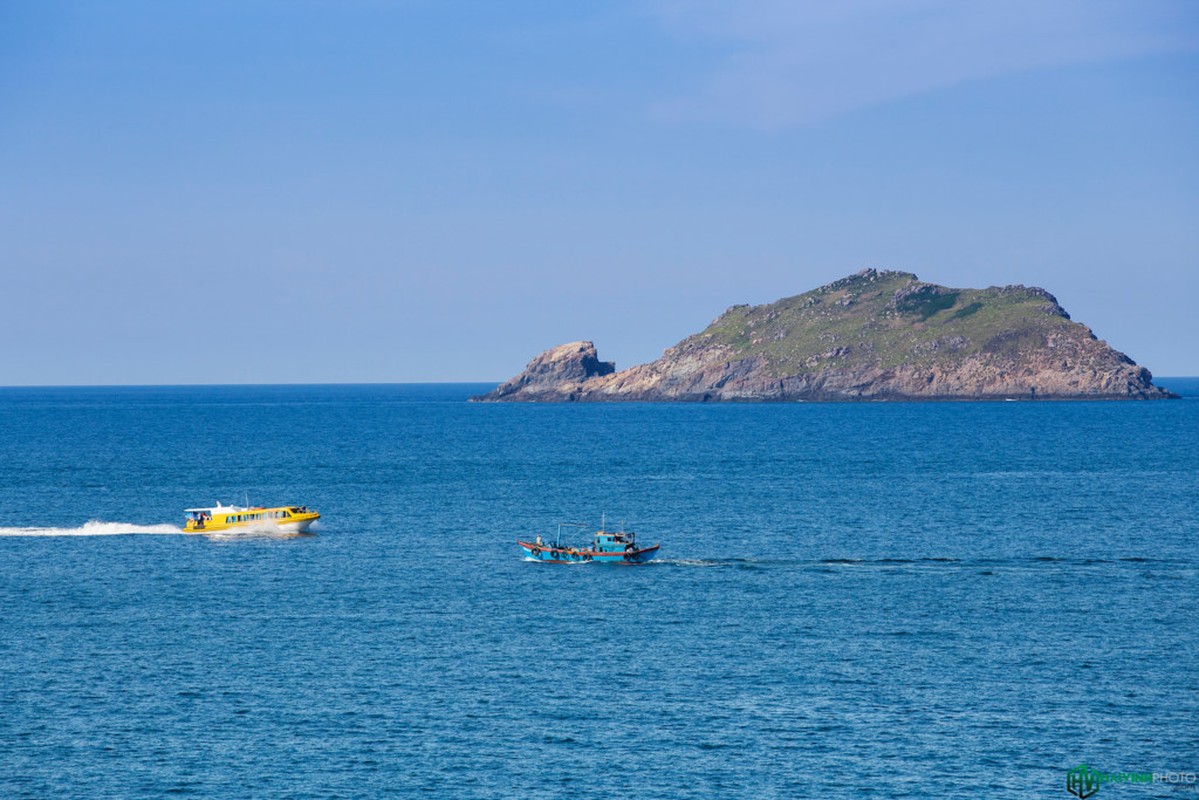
561, 525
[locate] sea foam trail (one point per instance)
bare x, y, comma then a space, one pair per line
94, 528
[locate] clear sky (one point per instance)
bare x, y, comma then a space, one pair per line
202, 191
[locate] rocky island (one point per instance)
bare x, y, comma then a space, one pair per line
875, 335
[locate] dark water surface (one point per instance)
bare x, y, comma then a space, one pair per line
891, 600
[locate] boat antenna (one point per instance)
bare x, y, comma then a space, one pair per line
603, 521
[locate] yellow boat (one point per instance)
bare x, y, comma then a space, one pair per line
289, 519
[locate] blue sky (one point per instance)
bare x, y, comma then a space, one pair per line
360, 190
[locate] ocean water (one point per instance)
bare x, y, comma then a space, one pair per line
882, 600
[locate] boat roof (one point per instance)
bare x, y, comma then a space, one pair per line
233, 509
217, 507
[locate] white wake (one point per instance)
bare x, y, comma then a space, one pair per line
95, 528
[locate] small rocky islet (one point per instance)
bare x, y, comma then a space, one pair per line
875, 335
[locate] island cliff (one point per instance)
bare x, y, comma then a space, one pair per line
875, 335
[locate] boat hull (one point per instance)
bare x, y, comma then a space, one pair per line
574, 555
300, 526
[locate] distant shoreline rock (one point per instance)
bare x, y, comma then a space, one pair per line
874, 335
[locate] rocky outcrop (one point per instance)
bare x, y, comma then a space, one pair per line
876, 335
553, 373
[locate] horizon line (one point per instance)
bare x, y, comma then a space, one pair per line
227, 385
1156, 378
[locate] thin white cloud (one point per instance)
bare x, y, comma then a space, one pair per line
791, 63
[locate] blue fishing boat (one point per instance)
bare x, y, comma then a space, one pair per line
607, 547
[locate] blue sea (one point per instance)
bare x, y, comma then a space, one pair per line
874, 599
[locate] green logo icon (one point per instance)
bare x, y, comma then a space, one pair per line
1082, 781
